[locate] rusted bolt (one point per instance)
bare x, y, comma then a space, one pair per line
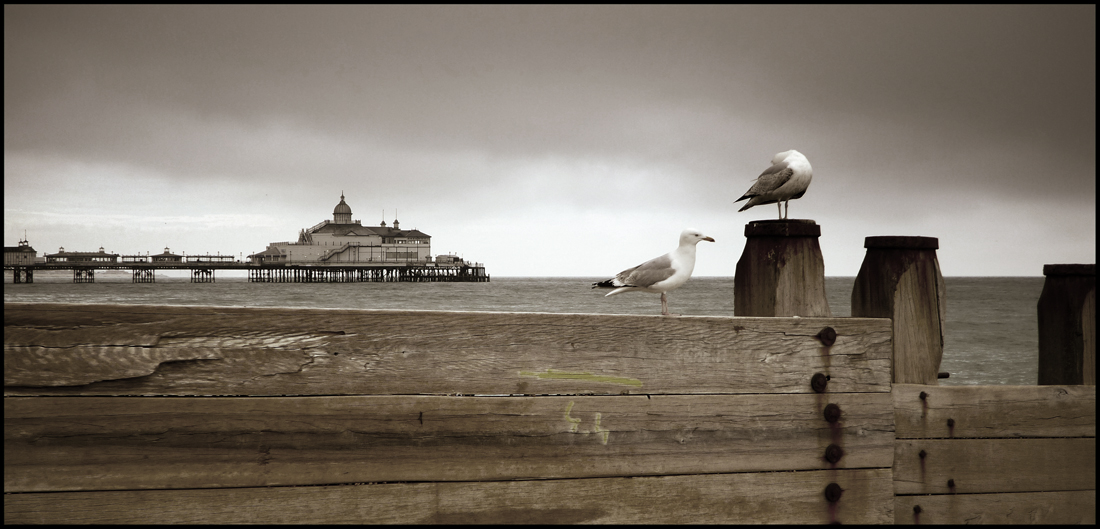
819, 382
923, 395
833, 453
951, 483
833, 492
922, 454
827, 336
943, 374
832, 413
916, 509
950, 423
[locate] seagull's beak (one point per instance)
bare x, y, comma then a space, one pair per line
708, 239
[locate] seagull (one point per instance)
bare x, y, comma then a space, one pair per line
786, 179
658, 276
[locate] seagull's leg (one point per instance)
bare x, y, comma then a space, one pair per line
779, 204
664, 304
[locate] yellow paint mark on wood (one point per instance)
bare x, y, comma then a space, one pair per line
570, 375
604, 434
576, 422
574, 425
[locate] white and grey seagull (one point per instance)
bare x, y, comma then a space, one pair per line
787, 179
661, 275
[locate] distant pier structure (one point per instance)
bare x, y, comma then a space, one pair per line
338, 251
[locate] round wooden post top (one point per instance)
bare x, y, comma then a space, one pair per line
783, 228
902, 242
1069, 270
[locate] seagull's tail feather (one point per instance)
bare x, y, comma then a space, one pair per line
746, 206
619, 291
607, 283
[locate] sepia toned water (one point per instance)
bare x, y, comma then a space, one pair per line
991, 334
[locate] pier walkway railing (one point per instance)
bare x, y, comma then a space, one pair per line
204, 271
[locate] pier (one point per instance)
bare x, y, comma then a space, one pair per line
275, 415
205, 272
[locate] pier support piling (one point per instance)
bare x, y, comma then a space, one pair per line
781, 271
83, 275
900, 279
23, 275
1067, 325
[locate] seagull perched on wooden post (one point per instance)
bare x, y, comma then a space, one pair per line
786, 179
658, 276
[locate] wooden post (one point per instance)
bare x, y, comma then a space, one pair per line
900, 279
1067, 325
781, 271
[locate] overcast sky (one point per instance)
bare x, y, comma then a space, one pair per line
553, 141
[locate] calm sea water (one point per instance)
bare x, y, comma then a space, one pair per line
991, 337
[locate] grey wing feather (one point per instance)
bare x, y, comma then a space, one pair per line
770, 180
647, 273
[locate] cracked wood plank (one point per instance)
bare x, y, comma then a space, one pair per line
468, 353
101, 443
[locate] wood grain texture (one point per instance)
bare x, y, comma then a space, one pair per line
341, 352
780, 276
994, 465
907, 286
1063, 329
1064, 507
773, 497
102, 443
994, 411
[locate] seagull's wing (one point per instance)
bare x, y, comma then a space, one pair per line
770, 180
646, 274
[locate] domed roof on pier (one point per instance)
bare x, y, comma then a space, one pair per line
341, 214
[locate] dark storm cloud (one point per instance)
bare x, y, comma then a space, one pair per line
911, 112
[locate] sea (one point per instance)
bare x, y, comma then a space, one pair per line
991, 334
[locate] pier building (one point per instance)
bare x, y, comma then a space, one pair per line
346, 241
21, 255
91, 258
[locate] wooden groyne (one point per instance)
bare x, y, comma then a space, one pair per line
162, 414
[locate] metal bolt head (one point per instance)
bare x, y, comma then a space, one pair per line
832, 413
922, 454
950, 423
833, 453
819, 382
923, 395
916, 509
827, 336
833, 493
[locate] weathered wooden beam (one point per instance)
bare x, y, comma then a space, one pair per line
772, 497
253, 351
781, 271
1067, 325
900, 279
966, 466
994, 411
104, 443
1063, 507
